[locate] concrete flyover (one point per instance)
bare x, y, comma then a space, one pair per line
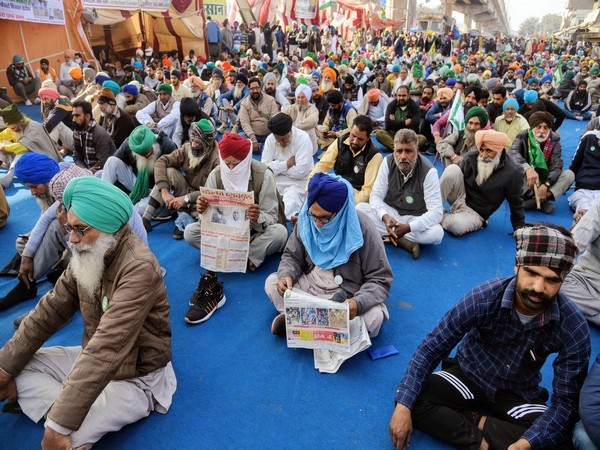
483, 15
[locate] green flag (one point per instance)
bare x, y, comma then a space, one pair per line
557, 76
457, 113
325, 5
536, 157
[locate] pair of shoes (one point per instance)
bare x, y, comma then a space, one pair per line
147, 224
278, 325
410, 246
38, 100
222, 129
548, 207
206, 299
18, 294
28, 102
177, 233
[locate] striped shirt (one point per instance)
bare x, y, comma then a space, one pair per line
497, 352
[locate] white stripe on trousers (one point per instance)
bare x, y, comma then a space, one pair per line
457, 383
527, 408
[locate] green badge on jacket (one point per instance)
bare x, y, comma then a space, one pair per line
105, 304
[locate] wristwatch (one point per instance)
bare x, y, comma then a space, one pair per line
547, 183
186, 199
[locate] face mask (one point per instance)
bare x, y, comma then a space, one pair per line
78, 60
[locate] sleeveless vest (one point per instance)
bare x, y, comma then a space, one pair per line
353, 168
408, 198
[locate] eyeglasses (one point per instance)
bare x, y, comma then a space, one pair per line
79, 231
323, 219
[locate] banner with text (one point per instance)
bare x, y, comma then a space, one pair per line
129, 5
40, 11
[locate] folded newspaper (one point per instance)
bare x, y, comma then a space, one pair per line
324, 326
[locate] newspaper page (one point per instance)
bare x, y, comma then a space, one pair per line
225, 230
325, 327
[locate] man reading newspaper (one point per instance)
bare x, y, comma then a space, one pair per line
334, 253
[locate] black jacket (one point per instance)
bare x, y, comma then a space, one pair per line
414, 113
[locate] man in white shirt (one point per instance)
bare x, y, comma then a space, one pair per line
288, 153
406, 202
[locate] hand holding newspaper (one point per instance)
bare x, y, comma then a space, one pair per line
225, 230
324, 326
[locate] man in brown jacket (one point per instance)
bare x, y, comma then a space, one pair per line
122, 371
255, 112
179, 175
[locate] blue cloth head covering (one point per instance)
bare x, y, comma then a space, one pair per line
131, 89
36, 168
450, 81
530, 96
332, 244
546, 78
98, 203
114, 87
316, 74
331, 64
137, 65
395, 68
510, 102
101, 78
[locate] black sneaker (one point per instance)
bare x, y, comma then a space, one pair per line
177, 233
206, 280
278, 325
205, 305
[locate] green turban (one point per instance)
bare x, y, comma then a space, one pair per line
205, 125
141, 140
193, 69
301, 80
479, 112
417, 72
595, 70
262, 71
164, 87
11, 114
98, 203
450, 74
569, 74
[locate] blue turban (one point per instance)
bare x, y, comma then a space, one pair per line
316, 74
114, 87
36, 168
331, 64
530, 96
510, 102
137, 65
101, 78
331, 244
450, 81
546, 78
328, 192
131, 89
98, 203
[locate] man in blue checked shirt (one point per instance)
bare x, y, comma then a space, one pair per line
505, 330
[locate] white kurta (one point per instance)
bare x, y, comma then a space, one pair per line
291, 182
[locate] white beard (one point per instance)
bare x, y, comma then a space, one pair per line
195, 161
237, 92
485, 169
326, 86
87, 263
142, 162
469, 139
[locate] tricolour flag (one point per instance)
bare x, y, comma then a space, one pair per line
457, 113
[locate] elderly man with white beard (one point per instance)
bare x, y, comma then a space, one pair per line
124, 362
454, 147
477, 186
304, 114
230, 102
288, 154
132, 165
539, 151
205, 102
406, 204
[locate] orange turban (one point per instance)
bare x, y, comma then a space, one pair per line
197, 81
492, 139
373, 95
329, 71
76, 72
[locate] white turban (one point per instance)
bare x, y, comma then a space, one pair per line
305, 90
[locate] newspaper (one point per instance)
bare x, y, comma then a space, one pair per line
325, 327
225, 230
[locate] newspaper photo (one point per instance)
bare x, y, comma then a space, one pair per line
225, 230
324, 326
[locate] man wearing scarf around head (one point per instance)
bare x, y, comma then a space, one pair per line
488, 395
304, 114
180, 174
122, 371
334, 252
477, 186
238, 172
132, 166
539, 151
161, 114
113, 119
